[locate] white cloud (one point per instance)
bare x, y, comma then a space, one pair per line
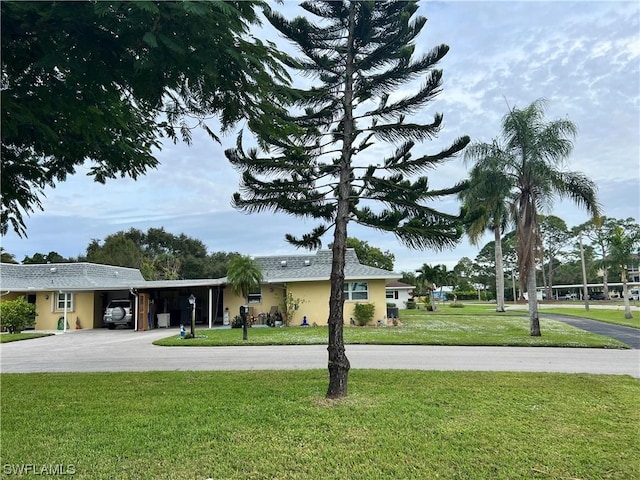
584, 57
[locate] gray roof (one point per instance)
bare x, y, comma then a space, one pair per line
316, 266
67, 276
92, 276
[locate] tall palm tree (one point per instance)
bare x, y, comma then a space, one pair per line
530, 156
244, 275
489, 190
427, 279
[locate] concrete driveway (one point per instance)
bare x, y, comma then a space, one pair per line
104, 350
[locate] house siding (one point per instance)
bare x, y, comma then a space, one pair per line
48, 315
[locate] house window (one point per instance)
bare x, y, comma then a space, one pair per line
60, 302
390, 295
356, 291
255, 295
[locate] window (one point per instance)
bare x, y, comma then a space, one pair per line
255, 295
59, 306
356, 291
390, 295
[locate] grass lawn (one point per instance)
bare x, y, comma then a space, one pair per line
615, 314
479, 325
14, 337
277, 425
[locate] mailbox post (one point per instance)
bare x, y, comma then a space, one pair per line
192, 302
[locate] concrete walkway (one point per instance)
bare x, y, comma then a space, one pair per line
104, 350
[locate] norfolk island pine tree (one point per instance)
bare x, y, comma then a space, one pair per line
362, 52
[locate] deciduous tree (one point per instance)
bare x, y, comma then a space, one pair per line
102, 82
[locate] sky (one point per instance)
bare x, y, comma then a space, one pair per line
582, 57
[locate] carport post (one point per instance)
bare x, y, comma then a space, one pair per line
210, 307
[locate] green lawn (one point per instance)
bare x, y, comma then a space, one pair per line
14, 337
477, 325
277, 425
611, 315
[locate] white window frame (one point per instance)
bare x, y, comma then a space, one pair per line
353, 294
58, 301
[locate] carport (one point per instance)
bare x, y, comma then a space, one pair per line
165, 303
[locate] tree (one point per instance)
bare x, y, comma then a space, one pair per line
490, 190
368, 255
17, 314
244, 275
103, 82
554, 236
360, 54
428, 277
530, 156
624, 244
51, 257
6, 257
600, 230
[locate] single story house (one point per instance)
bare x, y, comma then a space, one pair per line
399, 293
80, 292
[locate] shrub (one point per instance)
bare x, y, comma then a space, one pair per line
17, 314
411, 304
457, 305
363, 312
392, 305
236, 322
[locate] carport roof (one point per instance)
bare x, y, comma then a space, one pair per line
67, 276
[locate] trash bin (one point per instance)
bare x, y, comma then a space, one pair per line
61, 324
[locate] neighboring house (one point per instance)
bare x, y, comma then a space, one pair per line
79, 290
399, 293
87, 288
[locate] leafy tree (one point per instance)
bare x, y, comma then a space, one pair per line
117, 249
360, 52
554, 237
409, 278
530, 155
6, 257
103, 82
244, 275
368, 255
17, 314
490, 190
599, 231
51, 257
428, 277
624, 245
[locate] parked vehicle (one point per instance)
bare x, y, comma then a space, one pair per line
634, 294
597, 296
118, 312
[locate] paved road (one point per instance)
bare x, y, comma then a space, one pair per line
125, 350
628, 335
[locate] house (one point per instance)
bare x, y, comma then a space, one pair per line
399, 293
80, 292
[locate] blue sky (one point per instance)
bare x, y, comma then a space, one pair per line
583, 57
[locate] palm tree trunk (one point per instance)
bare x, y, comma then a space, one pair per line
534, 320
625, 294
499, 272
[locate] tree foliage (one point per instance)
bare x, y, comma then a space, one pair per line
17, 314
244, 275
359, 53
160, 255
530, 156
369, 255
103, 82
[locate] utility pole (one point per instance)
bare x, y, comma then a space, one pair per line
585, 293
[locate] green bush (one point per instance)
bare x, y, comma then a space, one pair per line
17, 314
411, 304
363, 312
457, 305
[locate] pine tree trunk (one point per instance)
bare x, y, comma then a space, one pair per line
534, 320
499, 272
338, 362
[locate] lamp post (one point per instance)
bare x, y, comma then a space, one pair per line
192, 302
